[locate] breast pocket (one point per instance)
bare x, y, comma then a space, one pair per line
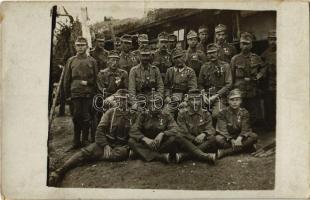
240, 71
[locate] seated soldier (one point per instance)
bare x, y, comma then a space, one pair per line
111, 139
196, 128
234, 133
152, 137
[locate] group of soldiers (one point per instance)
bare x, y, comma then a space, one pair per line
169, 104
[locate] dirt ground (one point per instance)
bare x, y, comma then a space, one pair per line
240, 172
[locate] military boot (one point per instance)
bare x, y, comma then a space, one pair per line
164, 158
179, 157
56, 177
226, 152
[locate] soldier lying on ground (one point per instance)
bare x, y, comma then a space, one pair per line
111, 139
234, 134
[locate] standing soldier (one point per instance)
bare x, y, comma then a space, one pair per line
225, 50
269, 56
162, 57
143, 41
144, 78
111, 139
172, 39
111, 79
197, 130
117, 45
203, 32
194, 57
153, 135
99, 53
80, 87
127, 59
247, 69
178, 81
234, 133
215, 79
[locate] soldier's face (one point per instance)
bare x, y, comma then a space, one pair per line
117, 45
100, 44
143, 44
163, 44
272, 42
113, 63
81, 48
246, 46
192, 42
145, 58
203, 36
213, 55
220, 36
126, 46
179, 61
195, 103
172, 44
235, 103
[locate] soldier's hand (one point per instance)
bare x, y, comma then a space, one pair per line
167, 100
158, 139
107, 152
247, 79
238, 142
213, 98
149, 142
200, 138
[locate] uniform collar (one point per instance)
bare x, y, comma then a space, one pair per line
179, 69
81, 56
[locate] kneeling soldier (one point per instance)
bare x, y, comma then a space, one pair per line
233, 127
197, 130
153, 135
111, 139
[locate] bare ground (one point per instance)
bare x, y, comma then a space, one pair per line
240, 172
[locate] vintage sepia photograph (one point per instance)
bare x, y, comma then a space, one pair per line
162, 98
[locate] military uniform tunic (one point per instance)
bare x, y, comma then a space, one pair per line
113, 130
143, 79
112, 80
231, 124
162, 60
195, 59
127, 61
150, 125
180, 80
101, 56
226, 52
191, 125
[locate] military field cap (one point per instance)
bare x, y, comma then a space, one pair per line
113, 54
126, 38
81, 40
212, 48
220, 28
235, 93
163, 36
203, 29
122, 93
143, 38
100, 37
272, 34
178, 53
191, 34
246, 37
172, 38
194, 93
145, 50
